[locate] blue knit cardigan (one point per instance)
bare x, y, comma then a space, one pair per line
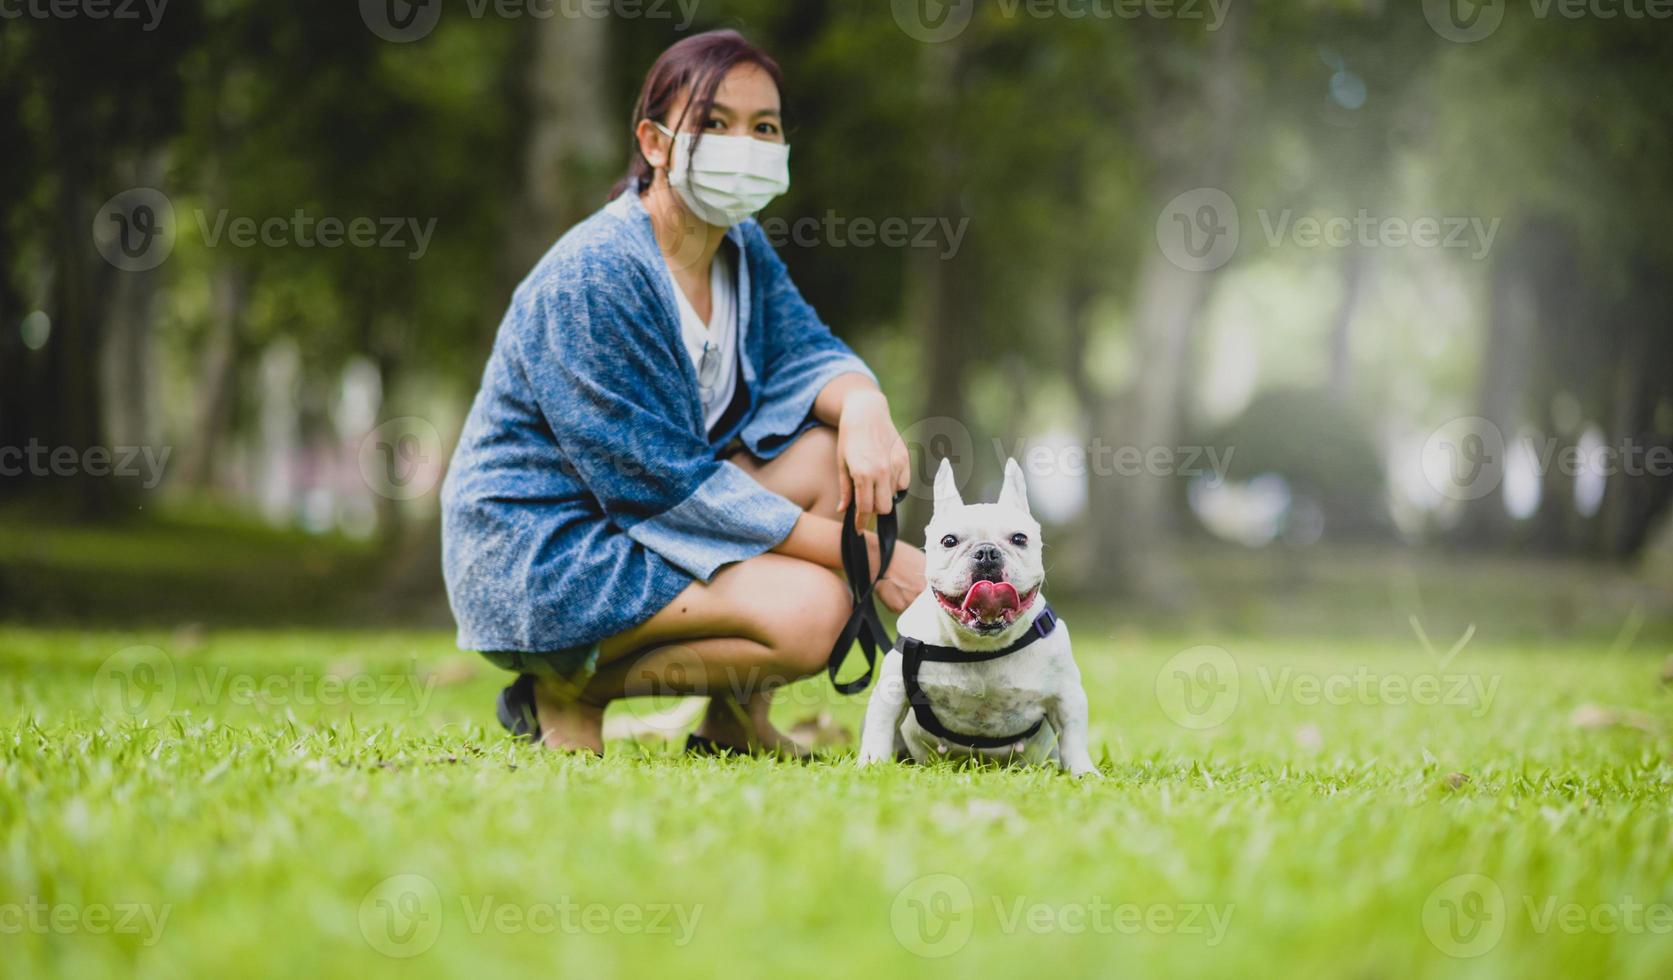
585, 493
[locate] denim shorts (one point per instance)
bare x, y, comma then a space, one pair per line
575, 665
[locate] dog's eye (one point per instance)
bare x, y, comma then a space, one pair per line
1019, 539
949, 541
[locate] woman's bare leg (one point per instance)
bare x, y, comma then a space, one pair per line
757, 625
806, 475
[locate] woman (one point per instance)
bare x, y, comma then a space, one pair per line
646, 497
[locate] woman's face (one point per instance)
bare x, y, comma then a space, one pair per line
746, 104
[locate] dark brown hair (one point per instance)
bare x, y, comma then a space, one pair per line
695, 65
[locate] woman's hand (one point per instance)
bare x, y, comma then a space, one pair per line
904, 581
872, 461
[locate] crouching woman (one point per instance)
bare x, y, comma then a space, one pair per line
646, 498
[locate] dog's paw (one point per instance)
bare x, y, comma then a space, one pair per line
1086, 772
865, 759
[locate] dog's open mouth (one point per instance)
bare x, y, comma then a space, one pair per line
987, 607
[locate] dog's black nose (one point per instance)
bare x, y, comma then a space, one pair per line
987, 554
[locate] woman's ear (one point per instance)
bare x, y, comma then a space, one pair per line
653, 146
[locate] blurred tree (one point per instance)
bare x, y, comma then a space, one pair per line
92, 99
1556, 135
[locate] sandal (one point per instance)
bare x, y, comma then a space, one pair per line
696, 744
516, 710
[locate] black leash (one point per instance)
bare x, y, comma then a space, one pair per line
864, 626
914, 654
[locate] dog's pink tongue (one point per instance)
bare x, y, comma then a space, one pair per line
990, 600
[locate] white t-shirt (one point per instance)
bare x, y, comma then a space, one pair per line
716, 341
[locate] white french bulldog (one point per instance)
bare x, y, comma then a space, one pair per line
983, 667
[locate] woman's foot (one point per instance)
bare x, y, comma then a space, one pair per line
567, 723
747, 728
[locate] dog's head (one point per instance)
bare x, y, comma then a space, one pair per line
983, 560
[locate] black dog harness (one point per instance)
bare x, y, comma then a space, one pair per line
915, 654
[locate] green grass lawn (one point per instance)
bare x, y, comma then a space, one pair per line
334, 804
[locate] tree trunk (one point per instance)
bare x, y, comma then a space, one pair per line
1506, 364
126, 362
74, 420
572, 152
1640, 492
1354, 264
16, 388
939, 290
1135, 513
218, 367
1136, 519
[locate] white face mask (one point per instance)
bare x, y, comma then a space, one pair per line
729, 178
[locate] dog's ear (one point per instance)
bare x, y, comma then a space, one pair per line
1015, 492
946, 487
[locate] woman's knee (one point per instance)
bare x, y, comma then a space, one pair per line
807, 609
805, 472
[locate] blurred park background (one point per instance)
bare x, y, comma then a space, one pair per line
1355, 300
